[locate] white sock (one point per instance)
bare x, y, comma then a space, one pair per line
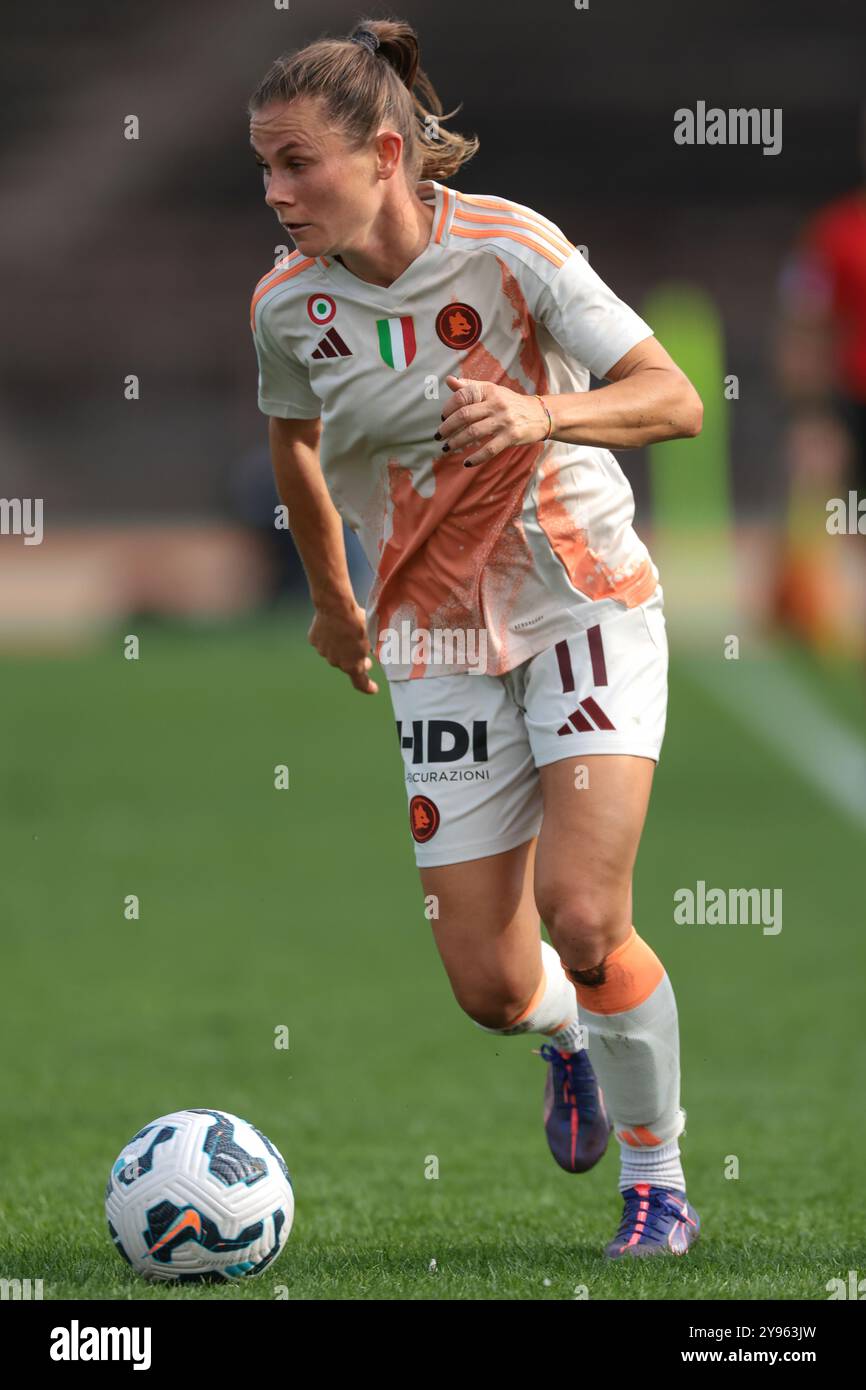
661, 1166
570, 1039
630, 1014
635, 1055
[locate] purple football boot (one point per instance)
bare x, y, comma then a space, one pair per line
656, 1221
575, 1120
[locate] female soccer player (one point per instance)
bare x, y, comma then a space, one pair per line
424, 356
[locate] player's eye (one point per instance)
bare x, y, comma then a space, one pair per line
290, 164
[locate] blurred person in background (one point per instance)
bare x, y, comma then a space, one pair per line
821, 361
253, 499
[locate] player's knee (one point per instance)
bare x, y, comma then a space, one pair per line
491, 1007
584, 928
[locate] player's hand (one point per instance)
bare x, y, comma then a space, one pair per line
340, 636
488, 416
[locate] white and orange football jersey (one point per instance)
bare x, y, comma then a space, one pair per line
525, 549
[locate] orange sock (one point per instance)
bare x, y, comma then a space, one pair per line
631, 973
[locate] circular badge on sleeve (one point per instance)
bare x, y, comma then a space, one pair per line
321, 308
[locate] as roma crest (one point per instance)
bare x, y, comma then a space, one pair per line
423, 818
458, 325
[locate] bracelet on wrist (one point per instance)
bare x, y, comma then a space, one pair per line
549, 420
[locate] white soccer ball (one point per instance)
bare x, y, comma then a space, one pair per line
199, 1195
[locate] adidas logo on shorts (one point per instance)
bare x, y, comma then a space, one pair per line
588, 710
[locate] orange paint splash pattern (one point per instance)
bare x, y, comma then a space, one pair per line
458, 558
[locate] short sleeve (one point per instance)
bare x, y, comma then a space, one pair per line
284, 382
586, 318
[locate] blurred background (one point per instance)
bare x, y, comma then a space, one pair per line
125, 257
153, 778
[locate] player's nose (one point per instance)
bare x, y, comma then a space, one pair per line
276, 193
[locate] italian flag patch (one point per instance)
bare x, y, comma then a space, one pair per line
396, 341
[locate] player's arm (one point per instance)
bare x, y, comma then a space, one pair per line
649, 399
338, 630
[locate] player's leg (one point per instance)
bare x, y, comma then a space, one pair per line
487, 931
474, 811
625, 998
488, 934
595, 711
509, 981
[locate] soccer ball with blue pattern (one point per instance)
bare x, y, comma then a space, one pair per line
199, 1195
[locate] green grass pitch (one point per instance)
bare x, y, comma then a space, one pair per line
302, 907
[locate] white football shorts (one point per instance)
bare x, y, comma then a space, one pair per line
472, 744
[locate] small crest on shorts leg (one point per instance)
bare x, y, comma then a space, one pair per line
424, 818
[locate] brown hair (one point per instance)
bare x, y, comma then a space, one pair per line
363, 89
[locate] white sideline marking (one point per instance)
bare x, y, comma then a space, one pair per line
772, 699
